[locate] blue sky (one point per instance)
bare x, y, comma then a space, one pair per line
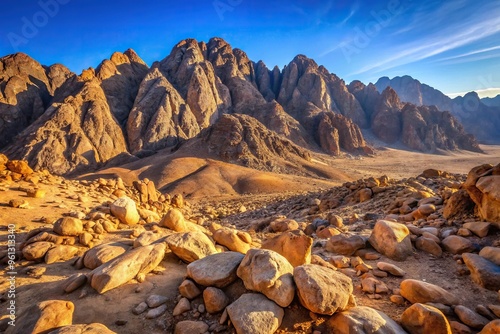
453, 45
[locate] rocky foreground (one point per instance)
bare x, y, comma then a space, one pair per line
419, 255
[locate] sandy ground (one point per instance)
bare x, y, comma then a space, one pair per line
221, 182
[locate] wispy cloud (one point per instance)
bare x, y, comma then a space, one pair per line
353, 12
463, 55
445, 40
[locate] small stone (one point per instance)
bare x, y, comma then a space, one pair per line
398, 300
191, 327
156, 300
215, 300
478, 228
140, 308
189, 290
391, 269
156, 312
182, 306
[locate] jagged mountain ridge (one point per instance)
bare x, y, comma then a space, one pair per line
123, 107
479, 117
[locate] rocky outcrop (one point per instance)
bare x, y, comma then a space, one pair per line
26, 90
478, 116
243, 139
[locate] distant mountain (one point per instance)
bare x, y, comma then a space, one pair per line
478, 118
72, 123
491, 101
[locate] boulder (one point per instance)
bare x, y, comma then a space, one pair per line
101, 254
294, 246
269, 273
421, 319
422, 292
37, 250
190, 246
174, 220
19, 167
83, 329
458, 204
125, 210
322, 290
491, 254
489, 206
345, 245
483, 272
189, 290
60, 253
68, 226
457, 245
234, 240
391, 239
491, 328
429, 246
46, 316
283, 225
217, 270
362, 320
190, 327
478, 228
253, 313
135, 263
470, 318
215, 300
147, 238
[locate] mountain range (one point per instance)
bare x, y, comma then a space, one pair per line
480, 117
240, 111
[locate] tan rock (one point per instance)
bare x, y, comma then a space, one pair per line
136, 262
20, 167
84, 329
470, 318
37, 250
189, 290
391, 239
391, 269
60, 253
234, 240
101, 254
174, 220
215, 300
429, 246
190, 327
491, 328
47, 315
482, 271
491, 254
422, 292
457, 245
68, 226
124, 208
269, 273
345, 245
254, 313
322, 290
478, 228
420, 319
217, 270
190, 246
295, 247
362, 319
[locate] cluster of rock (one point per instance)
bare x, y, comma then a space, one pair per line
70, 123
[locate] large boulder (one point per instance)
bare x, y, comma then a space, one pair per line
217, 270
253, 313
83, 329
363, 320
423, 292
46, 316
68, 226
483, 184
295, 247
322, 290
269, 273
125, 210
60, 253
37, 250
133, 264
392, 240
345, 245
101, 254
190, 246
234, 240
483, 272
421, 319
